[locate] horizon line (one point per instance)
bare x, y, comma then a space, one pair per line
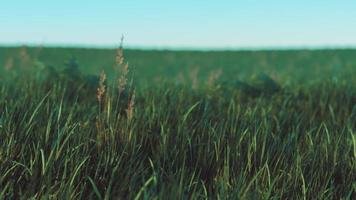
180, 48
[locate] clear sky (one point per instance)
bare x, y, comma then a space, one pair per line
180, 24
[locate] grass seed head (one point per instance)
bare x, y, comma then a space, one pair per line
101, 88
120, 53
130, 107
123, 78
9, 64
123, 66
193, 74
214, 76
25, 57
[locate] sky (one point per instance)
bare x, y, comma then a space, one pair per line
180, 24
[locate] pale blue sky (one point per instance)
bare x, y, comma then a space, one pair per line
180, 24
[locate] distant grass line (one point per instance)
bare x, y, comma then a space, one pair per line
294, 67
215, 141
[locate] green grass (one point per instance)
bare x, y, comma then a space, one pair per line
189, 138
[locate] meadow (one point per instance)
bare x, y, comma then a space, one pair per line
80, 123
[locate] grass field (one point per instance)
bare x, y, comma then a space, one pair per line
177, 124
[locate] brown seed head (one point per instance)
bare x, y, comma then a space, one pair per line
123, 77
194, 73
120, 53
101, 88
9, 64
130, 106
213, 76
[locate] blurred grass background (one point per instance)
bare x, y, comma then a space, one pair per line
290, 67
